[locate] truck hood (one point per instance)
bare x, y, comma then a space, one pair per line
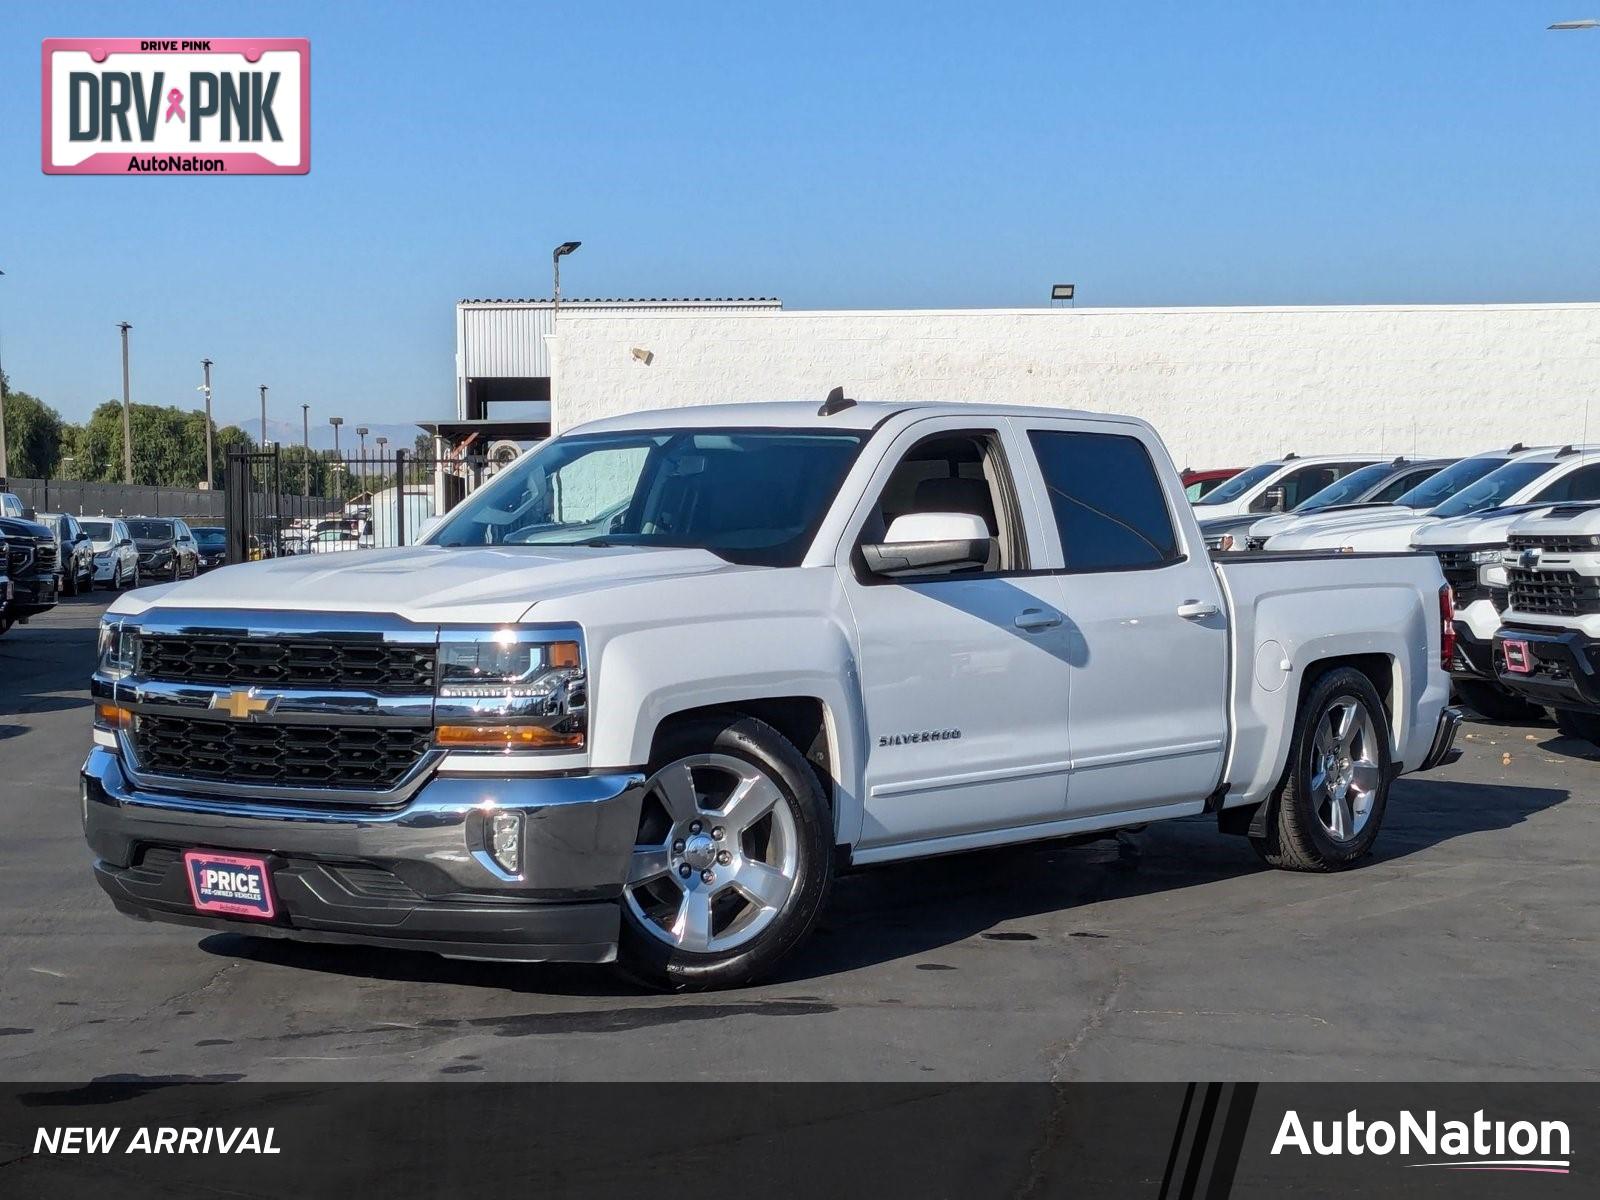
1392, 532
1333, 518
1491, 528
428, 584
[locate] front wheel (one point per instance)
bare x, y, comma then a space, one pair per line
733, 860
1330, 804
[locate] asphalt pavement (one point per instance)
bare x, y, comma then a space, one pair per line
1468, 947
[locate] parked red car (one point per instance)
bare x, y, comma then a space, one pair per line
1198, 483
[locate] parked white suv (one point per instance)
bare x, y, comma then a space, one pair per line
1278, 486
643, 694
116, 559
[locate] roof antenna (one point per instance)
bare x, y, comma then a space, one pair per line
837, 401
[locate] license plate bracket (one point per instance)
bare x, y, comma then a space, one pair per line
1519, 659
237, 885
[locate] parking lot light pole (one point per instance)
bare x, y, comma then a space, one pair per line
338, 460
361, 432
127, 420
561, 252
205, 364
263, 416
305, 438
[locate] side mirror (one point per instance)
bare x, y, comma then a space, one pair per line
124, 542
29, 514
923, 543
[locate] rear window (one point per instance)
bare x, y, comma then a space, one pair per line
1107, 500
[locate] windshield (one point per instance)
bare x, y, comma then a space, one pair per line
98, 531
1493, 490
1436, 489
1239, 484
211, 536
747, 495
1347, 490
150, 530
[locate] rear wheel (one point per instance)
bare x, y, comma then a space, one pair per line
1494, 702
733, 860
1329, 807
1585, 726
69, 582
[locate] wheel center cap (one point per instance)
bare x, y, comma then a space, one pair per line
699, 851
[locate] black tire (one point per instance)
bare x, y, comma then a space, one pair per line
1493, 702
1297, 838
69, 583
649, 960
1585, 726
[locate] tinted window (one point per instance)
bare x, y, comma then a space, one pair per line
748, 495
211, 536
151, 530
1107, 500
1582, 484
1493, 490
1399, 485
1241, 483
1449, 481
100, 531
1348, 490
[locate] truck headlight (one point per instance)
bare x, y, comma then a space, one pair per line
1491, 555
116, 649
510, 690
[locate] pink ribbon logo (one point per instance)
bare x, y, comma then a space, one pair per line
175, 106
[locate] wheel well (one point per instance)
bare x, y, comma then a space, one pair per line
1379, 668
801, 719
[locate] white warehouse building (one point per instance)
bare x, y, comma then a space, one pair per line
1224, 386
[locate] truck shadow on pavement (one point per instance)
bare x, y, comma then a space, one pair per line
44, 668
906, 910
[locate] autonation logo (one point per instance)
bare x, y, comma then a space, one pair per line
1476, 1145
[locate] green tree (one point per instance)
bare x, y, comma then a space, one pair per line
169, 445
34, 433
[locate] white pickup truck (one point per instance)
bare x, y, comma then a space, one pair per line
642, 696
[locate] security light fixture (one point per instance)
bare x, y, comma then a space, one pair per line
1063, 291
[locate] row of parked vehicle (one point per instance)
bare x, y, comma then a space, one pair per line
1517, 534
44, 556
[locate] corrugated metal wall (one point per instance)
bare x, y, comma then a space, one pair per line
504, 339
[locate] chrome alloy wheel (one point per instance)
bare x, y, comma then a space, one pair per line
717, 854
1345, 770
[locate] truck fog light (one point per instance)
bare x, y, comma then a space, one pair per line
505, 841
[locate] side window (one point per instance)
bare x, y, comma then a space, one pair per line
1306, 482
1107, 500
1400, 485
961, 472
1582, 484
1195, 490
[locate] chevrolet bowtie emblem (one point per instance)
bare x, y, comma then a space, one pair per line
240, 705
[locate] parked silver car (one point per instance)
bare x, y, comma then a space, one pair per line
116, 559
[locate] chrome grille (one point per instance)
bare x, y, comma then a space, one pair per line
346, 757
366, 665
1553, 593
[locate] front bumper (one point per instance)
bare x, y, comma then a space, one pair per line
416, 877
1566, 667
30, 597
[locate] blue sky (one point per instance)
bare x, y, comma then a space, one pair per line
836, 155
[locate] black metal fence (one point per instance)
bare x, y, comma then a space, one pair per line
279, 505
197, 506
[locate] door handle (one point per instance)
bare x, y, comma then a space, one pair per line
1194, 610
1037, 618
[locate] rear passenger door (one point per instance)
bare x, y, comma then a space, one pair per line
1148, 701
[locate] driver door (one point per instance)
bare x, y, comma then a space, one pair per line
964, 676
